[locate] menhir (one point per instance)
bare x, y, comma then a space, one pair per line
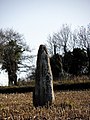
43, 93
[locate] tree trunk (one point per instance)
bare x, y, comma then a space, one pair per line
55, 49
10, 82
65, 48
15, 79
12, 79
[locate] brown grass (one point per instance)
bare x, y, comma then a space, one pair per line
66, 80
69, 105
73, 80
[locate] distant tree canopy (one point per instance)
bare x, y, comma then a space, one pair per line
75, 62
73, 47
12, 53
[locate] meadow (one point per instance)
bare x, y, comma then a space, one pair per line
68, 105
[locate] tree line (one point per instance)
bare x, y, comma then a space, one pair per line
69, 50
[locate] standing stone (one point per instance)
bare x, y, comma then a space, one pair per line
43, 93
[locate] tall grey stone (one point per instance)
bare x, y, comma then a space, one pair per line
43, 93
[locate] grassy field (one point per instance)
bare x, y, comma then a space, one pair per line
69, 105
69, 80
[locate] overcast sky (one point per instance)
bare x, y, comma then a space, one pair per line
36, 19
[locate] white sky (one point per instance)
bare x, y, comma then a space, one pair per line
36, 19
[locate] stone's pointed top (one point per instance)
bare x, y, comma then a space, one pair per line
42, 48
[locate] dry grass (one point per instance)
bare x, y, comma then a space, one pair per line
69, 105
66, 80
73, 80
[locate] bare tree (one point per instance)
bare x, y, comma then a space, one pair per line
61, 40
50, 45
75, 39
65, 34
82, 37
